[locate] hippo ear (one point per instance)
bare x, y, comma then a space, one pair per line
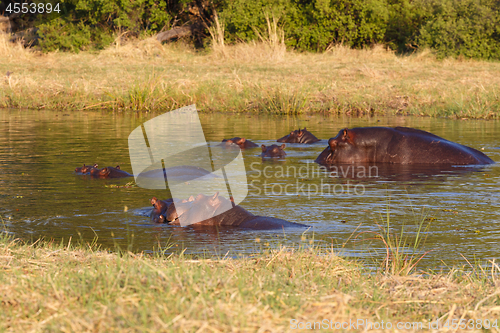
348, 136
283, 146
153, 201
95, 165
242, 140
263, 148
215, 195
191, 198
117, 167
304, 129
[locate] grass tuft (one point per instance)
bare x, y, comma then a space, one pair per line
404, 248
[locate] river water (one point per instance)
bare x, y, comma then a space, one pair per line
41, 196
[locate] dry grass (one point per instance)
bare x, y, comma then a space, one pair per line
144, 75
61, 288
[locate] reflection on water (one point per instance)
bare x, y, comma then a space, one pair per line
41, 196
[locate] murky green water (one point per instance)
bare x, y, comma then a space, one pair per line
41, 196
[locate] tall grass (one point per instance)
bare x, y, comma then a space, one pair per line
217, 33
273, 39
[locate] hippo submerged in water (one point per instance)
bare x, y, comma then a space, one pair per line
86, 169
107, 172
299, 136
218, 210
110, 172
179, 173
273, 151
398, 145
241, 142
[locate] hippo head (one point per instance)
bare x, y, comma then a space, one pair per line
273, 151
197, 209
240, 142
159, 210
86, 168
343, 141
299, 136
106, 171
237, 141
293, 137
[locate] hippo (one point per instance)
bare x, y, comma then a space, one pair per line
180, 173
398, 145
241, 142
273, 151
86, 169
299, 136
110, 172
222, 212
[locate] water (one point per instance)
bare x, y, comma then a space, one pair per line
41, 196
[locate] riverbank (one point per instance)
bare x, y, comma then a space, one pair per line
145, 75
63, 287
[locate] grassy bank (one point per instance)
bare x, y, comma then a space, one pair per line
144, 75
50, 287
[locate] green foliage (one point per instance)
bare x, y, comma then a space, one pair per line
354, 23
468, 28
243, 17
309, 25
63, 36
405, 19
88, 24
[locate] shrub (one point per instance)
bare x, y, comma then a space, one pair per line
469, 28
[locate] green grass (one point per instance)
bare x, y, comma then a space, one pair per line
144, 75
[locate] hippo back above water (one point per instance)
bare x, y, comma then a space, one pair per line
398, 145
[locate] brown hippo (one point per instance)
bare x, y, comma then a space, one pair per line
299, 136
159, 209
110, 172
241, 142
398, 145
273, 151
220, 212
86, 169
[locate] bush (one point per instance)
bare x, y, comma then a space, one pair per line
310, 25
88, 24
468, 28
59, 35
